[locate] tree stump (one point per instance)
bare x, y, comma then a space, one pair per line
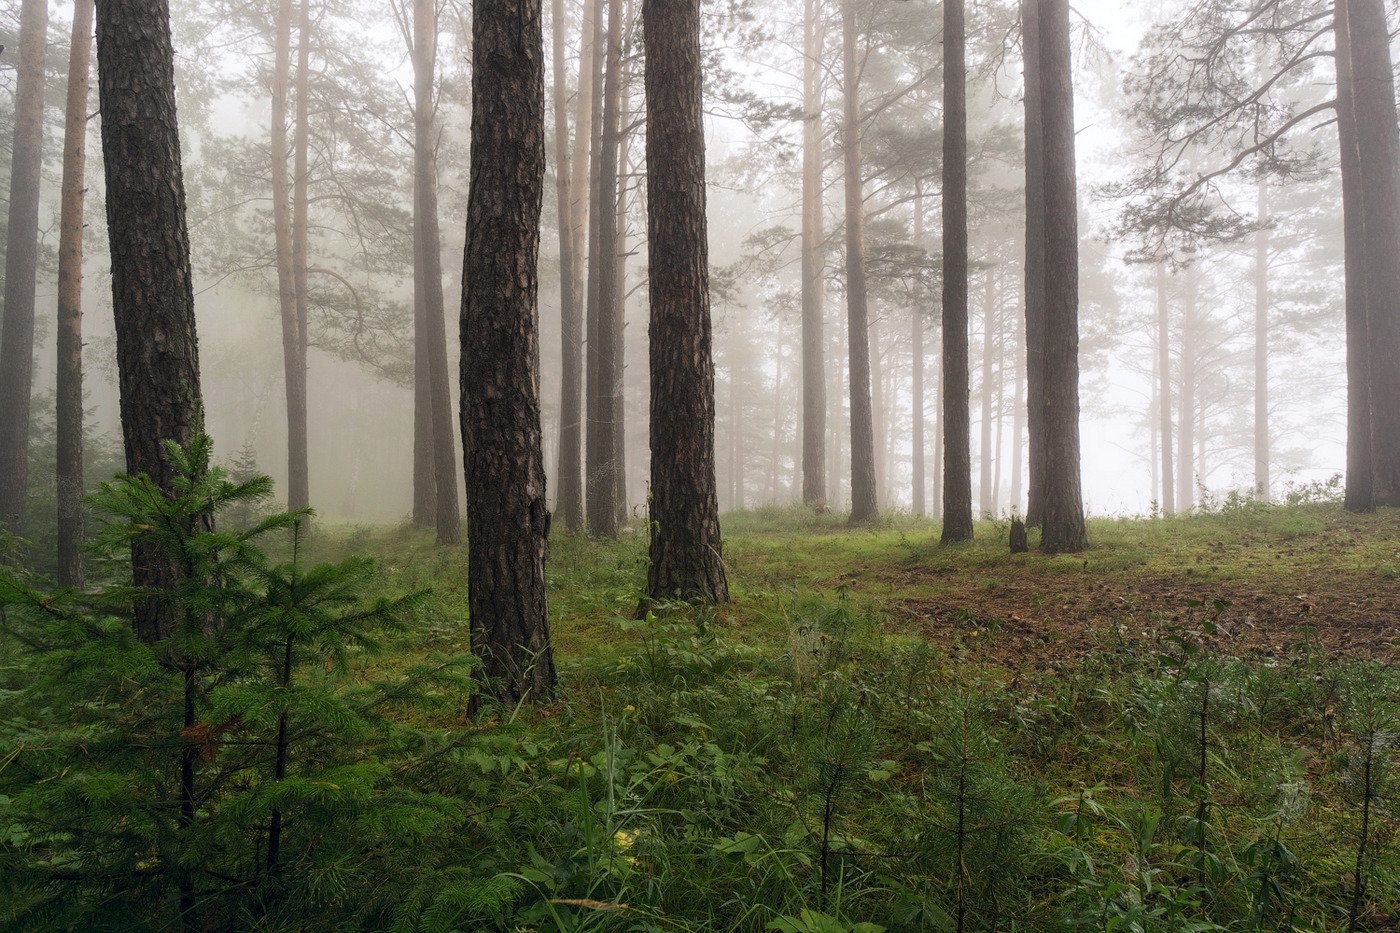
1019, 544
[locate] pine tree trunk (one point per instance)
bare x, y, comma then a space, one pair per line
618, 325
864, 501
1263, 486
69, 393
1062, 526
918, 471
998, 407
1018, 424
299, 468
1034, 263
21, 266
427, 250
507, 515
568, 491
985, 460
580, 173
152, 290
879, 413
1378, 154
814, 491
936, 480
1359, 494
1164, 391
957, 420
280, 168
686, 561
1186, 419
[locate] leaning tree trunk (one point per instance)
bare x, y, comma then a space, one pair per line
21, 266
864, 501
957, 420
813, 262
152, 289
1062, 525
69, 414
508, 519
1262, 484
1034, 263
686, 560
1164, 390
427, 251
1359, 495
1378, 154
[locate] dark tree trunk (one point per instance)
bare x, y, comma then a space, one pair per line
152, 291
1164, 391
864, 497
813, 266
1062, 524
1263, 486
918, 471
1035, 262
427, 250
957, 420
69, 413
1359, 496
21, 266
507, 516
686, 560
1378, 155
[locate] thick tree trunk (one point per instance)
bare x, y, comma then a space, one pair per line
152, 290
69, 413
427, 251
600, 446
299, 468
1359, 495
957, 420
686, 560
1186, 418
1378, 155
571, 406
21, 266
1062, 525
1035, 262
1164, 391
918, 470
813, 264
1263, 486
864, 497
507, 515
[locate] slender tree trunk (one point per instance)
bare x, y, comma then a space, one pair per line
1018, 424
1035, 262
686, 560
619, 306
1164, 390
813, 264
1359, 494
427, 250
1186, 420
600, 447
1378, 155
918, 472
985, 460
864, 496
1063, 527
152, 289
998, 407
69, 413
507, 515
21, 266
299, 473
776, 452
280, 167
936, 481
957, 420
1263, 487
879, 412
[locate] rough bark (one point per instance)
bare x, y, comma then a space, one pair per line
813, 265
508, 519
1378, 155
864, 497
69, 394
1062, 524
1034, 263
1263, 486
957, 420
1164, 392
152, 290
21, 266
427, 252
686, 560
1359, 496
916, 392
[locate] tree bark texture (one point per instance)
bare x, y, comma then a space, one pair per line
69, 394
686, 559
21, 266
508, 519
957, 420
1034, 262
1062, 526
152, 290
